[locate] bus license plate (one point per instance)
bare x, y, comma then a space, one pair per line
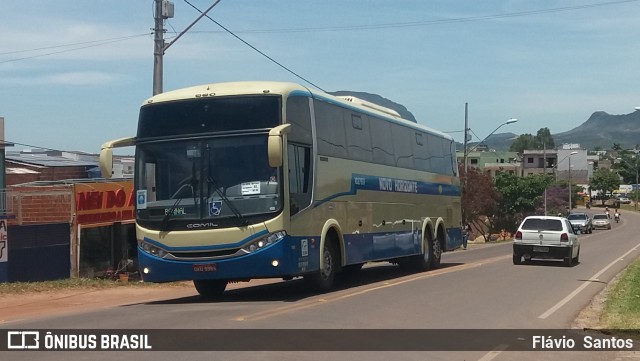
204, 267
540, 249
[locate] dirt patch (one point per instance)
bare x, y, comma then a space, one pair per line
21, 306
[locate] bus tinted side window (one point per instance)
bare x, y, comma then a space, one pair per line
300, 177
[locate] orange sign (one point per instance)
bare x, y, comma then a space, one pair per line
103, 202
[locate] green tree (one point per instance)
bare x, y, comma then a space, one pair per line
524, 141
519, 198
605, 181
544, 139
627, 167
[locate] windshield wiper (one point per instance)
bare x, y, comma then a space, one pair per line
227, 201
165, 221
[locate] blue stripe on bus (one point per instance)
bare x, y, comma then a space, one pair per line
386, 184
207, 248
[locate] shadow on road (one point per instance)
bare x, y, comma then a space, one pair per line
297, 289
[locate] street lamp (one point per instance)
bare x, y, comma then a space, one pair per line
570, 154
467, 151
637, 187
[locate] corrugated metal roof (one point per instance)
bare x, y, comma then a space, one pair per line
12, 170
49, 161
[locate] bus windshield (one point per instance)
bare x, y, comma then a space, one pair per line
212, 181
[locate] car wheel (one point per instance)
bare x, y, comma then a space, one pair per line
577, 259
517, 259
569, 259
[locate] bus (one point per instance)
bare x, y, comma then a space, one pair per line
245, 180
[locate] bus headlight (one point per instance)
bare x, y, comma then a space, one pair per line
263, 242
152, 250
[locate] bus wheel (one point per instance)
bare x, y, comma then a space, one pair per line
322, 280
210, 288
424, 261
436, 252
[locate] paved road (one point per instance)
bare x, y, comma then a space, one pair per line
478, 288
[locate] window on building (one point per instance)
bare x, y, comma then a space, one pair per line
530, 160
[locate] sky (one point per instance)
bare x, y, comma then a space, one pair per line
73, 73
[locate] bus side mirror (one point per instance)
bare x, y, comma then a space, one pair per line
106, 162
275, 144
106, 154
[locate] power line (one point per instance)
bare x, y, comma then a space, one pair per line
329, 29
90, 44
256, 49
427, 22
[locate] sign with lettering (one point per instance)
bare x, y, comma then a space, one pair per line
104, 202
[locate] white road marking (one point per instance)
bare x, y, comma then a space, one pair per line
493, 353
586, 283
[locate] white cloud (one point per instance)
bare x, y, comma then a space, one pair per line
84, 78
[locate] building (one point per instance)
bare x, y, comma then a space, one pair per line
492, 162
60, 220
72, 228
47, 165
561, 163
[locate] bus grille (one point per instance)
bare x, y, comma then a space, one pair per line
208, 254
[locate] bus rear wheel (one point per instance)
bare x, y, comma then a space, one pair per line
425, 261
210, 288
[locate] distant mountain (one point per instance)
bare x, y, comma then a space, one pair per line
377, 99
602, 130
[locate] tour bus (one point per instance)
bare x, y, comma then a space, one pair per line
244, 180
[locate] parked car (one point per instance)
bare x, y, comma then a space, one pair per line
546, 237
601, 221
624, 200
581, 222
612, 202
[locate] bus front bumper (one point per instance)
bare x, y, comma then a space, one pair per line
281, 259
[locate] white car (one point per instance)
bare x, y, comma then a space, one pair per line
601, 221
624, 200
545, 237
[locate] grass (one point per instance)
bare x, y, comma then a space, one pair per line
622, 308
73, 284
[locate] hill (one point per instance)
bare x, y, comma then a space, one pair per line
603, 130
600, 130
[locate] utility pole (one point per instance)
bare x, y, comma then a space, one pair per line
544, 167
466, 136
158, 46
163, 9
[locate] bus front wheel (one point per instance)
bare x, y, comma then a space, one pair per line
210, 288
322, 280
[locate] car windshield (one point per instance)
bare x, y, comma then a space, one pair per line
536, 224
577, 216
600, 216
